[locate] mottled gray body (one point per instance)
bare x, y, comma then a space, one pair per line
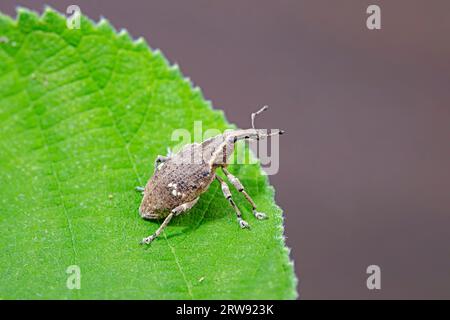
176, 181
180, 179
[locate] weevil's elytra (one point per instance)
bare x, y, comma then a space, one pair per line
179, 179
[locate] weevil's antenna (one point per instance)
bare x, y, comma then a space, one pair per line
254, 114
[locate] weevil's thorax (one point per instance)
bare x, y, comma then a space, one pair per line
217, 150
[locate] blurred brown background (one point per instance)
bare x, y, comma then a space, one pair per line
365, 165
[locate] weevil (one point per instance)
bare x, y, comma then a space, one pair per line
179, 179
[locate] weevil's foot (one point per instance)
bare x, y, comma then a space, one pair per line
260, 215
139, 189
244, 224
148, 240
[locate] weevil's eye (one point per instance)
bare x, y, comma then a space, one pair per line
234, 139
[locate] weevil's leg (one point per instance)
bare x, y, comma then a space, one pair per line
159, 230
169, 152
175, 212
184, 207
140, 189
227, 194
160, 159
238, 185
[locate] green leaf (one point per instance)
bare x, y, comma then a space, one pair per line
83, 114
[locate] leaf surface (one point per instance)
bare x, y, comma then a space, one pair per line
83, 114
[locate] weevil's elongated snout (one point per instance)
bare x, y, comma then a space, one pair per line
255, 134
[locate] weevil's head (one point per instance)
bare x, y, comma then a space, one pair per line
218, 150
